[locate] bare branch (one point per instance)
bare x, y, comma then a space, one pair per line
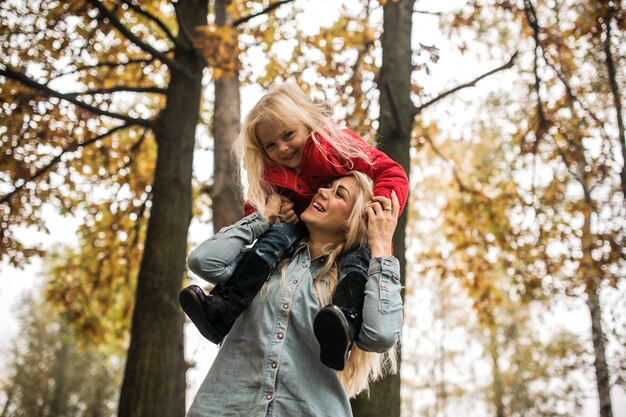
267, 10
121, 88
418, 109
137, 8
457, 178
14, 75
427, 12
41, 171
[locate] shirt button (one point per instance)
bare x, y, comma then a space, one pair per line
382, 285
280, 335
305, 266
387, 263
274, 365
285, 306
269, 397
295, 281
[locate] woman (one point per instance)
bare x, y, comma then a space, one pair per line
268, 364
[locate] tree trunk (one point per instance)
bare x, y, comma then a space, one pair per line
226, 191
617, 100
498, 392
601, 367
394, 135
152, 380
59, 400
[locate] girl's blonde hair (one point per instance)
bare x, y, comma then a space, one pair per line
287, 104
362, 367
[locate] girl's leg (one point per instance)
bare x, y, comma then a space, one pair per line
337, 325
215, 313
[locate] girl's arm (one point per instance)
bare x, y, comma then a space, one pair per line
387, 174
216, 258
382, 309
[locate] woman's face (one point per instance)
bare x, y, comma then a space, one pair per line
283, 143
330, 208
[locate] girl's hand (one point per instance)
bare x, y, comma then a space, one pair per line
272, 209
287, 215
382, 219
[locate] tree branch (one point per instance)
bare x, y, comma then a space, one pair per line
107, 65
427, 12
531, 16
121, 88
267, 10
418, 109
138, 9
41, 171
457, 178
107, 14
187, 36
14, 75
617, 101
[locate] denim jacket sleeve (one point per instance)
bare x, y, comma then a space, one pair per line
216, 258
382, 309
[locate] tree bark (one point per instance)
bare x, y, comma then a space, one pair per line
498, 392
59, 400
152, 380
394, 135
226, 190
617, 100
599, 349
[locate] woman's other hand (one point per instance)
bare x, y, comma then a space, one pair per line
382, 219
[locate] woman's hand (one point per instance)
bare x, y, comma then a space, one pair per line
382, 218
279, 209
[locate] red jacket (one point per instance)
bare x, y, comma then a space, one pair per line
321, 166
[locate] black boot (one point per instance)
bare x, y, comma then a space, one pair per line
215, 314
337, 325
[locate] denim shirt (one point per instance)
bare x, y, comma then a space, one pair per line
269, 365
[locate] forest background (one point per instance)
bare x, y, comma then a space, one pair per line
116, 119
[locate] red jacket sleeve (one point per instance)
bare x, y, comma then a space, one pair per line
386, 173
248, 209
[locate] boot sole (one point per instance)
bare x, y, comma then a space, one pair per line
193, 308
333, 334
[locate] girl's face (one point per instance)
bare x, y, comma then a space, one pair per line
282, 143
330, 208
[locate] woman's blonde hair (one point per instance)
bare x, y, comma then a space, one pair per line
287, 104
362, 367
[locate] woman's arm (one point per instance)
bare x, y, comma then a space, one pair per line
382, 309
216, 258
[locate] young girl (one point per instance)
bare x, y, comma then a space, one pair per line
290, 146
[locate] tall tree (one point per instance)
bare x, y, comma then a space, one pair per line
570, 139
394, 136
225, 189
52, 374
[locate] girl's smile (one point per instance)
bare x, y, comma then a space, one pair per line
282, 142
